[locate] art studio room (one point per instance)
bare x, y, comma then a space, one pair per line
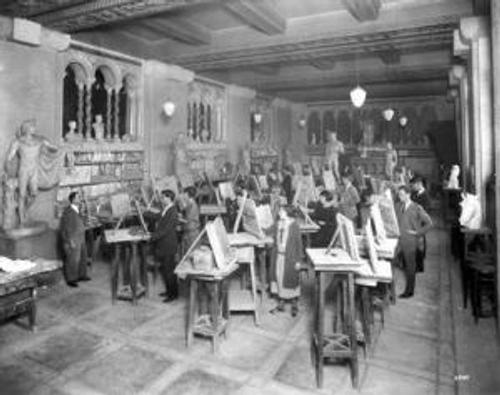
218, 197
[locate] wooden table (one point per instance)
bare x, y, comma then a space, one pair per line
262, 246
339, 344
123, 238
18, 290
218, 322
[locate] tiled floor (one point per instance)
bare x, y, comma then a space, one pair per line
85, 345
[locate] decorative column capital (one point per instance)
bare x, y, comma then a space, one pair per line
474, 27
458, 72
460, 47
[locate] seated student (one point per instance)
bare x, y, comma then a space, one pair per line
325, 215
349, 199
285, 263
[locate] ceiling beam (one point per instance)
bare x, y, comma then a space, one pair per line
258, 14
179, 29
363, 10
324, 64
103, 12
423, 38
391, 56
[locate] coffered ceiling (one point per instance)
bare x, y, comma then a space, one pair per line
302, 50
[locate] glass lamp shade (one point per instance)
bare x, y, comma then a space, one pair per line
257, 117
403, 121
388, 114
169, 108
302, 123
358, 96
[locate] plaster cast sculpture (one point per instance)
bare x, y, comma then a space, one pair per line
333, 149
391, 161
453, 180
72, 133
98, 128
470, 216
36, 164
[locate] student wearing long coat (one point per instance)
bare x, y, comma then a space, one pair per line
285, 263
414, 223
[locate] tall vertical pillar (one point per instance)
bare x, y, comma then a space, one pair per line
495, 41
475, 31
458, 76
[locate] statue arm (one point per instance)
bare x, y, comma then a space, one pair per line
49, 145
12, 150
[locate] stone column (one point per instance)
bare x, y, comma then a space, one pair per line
116, 114
108, 133
458, 76
79, 113
495, 41
88, 109
475, 32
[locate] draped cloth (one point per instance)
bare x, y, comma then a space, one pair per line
50, 167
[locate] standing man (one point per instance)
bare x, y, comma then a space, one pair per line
420, 196
72, 231
414, 223
165, 239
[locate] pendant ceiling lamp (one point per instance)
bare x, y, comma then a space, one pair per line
388, 114
358, 96
169, 108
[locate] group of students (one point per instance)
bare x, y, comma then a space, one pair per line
182, 212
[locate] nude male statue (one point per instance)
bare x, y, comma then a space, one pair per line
28, 146
333, 149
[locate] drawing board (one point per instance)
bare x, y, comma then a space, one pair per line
120, 204
226, 190
347, 237
378, 223
388, 213
217, 236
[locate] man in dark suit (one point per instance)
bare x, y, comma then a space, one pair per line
420, 196
414, 222
72, 230
165, 239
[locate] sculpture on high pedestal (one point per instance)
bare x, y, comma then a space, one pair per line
36, 164
333, 149
72, 133
391, 161
98, 128
453, 182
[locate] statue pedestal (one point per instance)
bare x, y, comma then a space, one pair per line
33, 240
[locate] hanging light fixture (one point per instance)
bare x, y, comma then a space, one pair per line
302, 122
169, 108
257, 117
403, 121
358, 96
388, 114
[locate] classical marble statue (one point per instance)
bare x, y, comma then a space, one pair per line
98, 128
470, 216
453, 180
72, 133
333, 149
38, 166
391, 161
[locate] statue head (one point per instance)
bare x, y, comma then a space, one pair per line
28, 127
389, 145
72, 125
333, 135
98, 118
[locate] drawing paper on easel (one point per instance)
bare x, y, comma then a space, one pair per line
217, 236
120, 204
388, 214
264, 216
226, 191
348, 237
378, 223
263, 182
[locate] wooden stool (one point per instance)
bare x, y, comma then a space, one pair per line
243, 299
483, 284
217, 322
